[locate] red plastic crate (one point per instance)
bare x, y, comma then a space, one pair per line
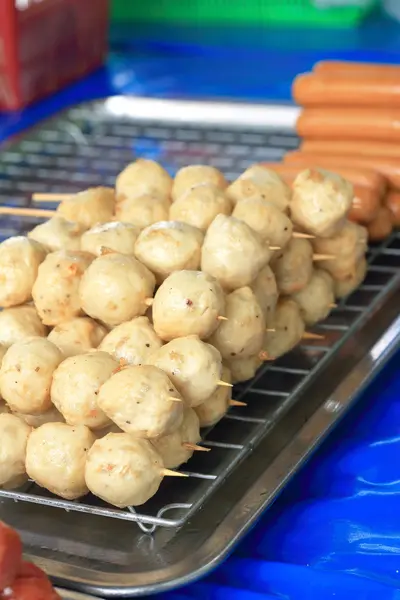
45, 44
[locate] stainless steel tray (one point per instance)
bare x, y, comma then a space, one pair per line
291, 404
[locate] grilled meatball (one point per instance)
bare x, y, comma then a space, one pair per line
143, 177
142, 401
75, 388
132, 342
115, 288
243, 369
92, 206
188, 302
169, 246
233, 253
272, 225
77, 336
56, 289
289, 329
321, 201
174, 448
347, 286
19, 323
117, 236
348, 246
143, 211
194, 176
14, 435
293, 266
259, 182
20, 258
58, 234
123, 471
215, 407
266, 292
243, 333
316, 299
193, 366
199, 206
55, 458
26, 375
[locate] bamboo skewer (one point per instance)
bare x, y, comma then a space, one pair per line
169, 473
237, 403
50, 197
27, 212
312, 336
224, 384
195, 447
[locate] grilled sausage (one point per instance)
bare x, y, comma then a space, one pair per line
350, 148
350, 123
392, 202
381, 227
315, 90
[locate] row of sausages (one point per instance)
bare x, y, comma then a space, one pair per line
349, 123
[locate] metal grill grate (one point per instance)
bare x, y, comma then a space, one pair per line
89, 146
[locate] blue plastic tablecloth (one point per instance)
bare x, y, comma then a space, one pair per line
335, 531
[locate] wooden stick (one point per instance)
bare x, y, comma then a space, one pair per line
56, 197
169, 473
237, 403
274, 248
224, 384
195, 447
270, 330
333, 305
303, 236
312, 336
317, 257
221, 318
27, 212
173, 399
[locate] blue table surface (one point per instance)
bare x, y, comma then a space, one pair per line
335, 531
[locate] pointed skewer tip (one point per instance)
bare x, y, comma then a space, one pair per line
237, 403
195, 447
224, 383
50, 197
169, 473
312, 336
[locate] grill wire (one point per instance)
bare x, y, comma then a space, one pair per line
84, 148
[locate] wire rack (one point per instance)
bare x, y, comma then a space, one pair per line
88, 146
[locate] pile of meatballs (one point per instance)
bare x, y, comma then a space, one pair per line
129, 314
